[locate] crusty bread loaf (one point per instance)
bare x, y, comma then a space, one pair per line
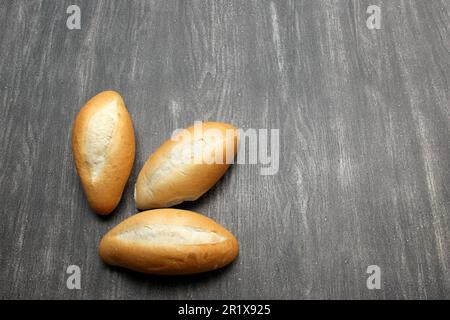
103, 149
173, 174
169, 241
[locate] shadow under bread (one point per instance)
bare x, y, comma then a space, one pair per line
171, 282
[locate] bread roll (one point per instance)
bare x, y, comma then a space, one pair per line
103, 149
170, 242
186, 166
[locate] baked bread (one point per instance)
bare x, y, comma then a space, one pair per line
103, 149
169, 242
186, 166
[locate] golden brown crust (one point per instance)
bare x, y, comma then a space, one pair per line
182, 182
168, 259
104, 192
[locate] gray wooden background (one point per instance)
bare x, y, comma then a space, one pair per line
364, 141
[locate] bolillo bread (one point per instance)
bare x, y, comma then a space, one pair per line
103, 149
186, 166
169, 242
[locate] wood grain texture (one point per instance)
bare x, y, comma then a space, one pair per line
364, 134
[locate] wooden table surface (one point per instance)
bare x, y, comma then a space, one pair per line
364, 141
